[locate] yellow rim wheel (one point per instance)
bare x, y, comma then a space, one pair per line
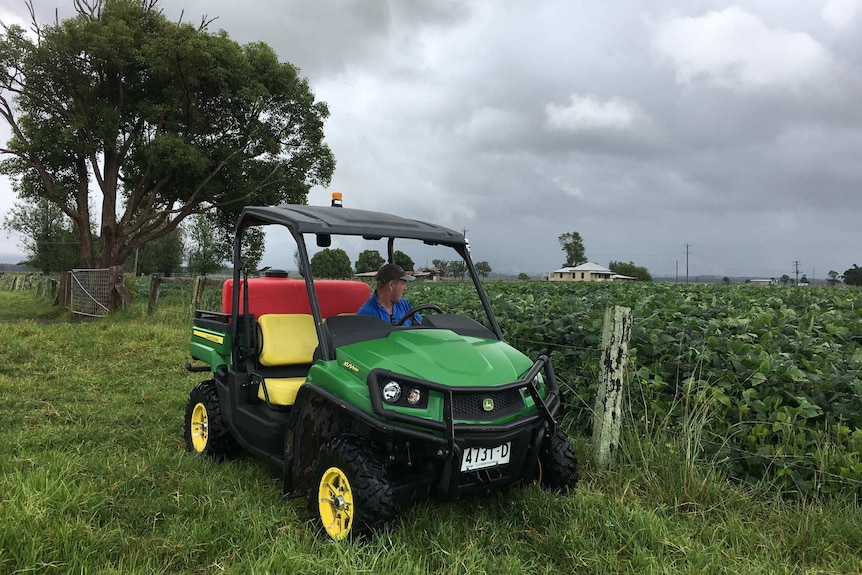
335, 503
200, 427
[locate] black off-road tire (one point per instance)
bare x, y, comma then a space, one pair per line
205, 432
345, 467
558, 465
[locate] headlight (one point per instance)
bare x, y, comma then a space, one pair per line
414, 396
391, 392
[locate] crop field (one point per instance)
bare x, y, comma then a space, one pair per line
740, 452
769, 379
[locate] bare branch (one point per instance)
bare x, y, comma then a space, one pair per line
205, 22
34, 24
89, 8
6, 112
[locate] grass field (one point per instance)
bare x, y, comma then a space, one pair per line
94, 478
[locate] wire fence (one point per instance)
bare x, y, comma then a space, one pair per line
40, 285
810, 454
804, 438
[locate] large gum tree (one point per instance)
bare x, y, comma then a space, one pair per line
157, 120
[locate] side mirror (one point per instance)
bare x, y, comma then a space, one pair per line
324, 240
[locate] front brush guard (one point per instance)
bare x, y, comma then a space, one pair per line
546, 407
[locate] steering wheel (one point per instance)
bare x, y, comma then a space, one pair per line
412, 313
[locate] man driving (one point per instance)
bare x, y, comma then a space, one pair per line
387, 301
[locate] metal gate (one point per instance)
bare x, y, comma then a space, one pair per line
90, 292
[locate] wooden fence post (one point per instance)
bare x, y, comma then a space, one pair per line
153, 302
117, 292
612, 369
64, 294
198, 285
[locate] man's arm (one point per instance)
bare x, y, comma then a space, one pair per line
401, 308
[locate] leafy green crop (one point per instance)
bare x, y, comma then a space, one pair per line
772, 373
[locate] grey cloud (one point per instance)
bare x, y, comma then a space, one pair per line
629, 122
324, 38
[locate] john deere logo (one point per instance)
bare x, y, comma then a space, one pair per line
488, 404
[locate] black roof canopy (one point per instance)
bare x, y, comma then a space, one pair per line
348, 222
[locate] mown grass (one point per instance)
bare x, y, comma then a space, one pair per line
95, 479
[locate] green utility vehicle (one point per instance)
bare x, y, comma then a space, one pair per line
365, 417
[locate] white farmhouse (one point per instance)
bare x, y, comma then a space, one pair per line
588, 272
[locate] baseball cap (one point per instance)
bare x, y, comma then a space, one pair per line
392, 272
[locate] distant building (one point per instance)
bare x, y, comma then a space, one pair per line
588, 272
432, 274
423, 275
763, 282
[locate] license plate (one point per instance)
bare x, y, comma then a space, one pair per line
482, 457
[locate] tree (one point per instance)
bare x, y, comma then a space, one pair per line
458, 269
163, 255
206, 255
252, 246
165, 119
523, 277
331, 263
573, 245
640, 273
442, 266
403, 260
853, 276
785, 279
803, 280
369, 261
833, 277
47, 237
483, 269
725, 280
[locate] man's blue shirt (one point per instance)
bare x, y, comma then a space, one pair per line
373, 308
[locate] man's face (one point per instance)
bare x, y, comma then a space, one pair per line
396, 289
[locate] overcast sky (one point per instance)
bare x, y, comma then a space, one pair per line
647, 126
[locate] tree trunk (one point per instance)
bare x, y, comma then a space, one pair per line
81, 217
110, 240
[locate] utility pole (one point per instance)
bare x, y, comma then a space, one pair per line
686, 261
796, 265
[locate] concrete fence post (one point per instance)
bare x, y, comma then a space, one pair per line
616, 334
